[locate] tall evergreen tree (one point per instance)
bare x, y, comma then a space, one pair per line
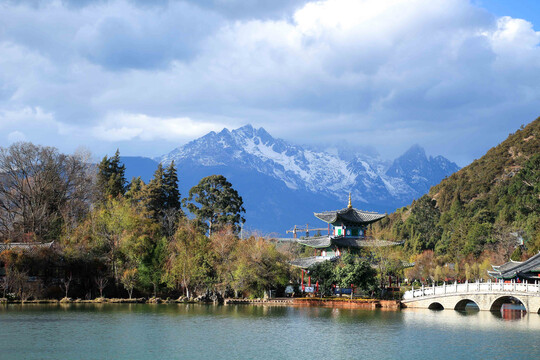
135, 190
172, 194
155, 193
111, 178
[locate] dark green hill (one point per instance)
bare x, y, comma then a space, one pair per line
489, 205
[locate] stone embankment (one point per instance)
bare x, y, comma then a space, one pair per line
350, 303
325, 302
278, 301
103, 301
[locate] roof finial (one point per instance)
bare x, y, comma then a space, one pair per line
350, 203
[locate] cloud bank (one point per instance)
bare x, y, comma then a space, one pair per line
148, 76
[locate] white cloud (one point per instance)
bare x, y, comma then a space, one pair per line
122, 127
335, 69
25, 116
16, 136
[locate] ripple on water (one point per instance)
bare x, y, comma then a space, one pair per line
178, 331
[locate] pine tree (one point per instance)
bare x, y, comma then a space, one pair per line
172, 194
111, 179
135, 190
155, 194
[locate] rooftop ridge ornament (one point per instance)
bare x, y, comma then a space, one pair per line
350, 203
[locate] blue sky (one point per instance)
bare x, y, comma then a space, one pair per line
521, 9
455, 76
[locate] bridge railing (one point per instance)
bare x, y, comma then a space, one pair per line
474, 287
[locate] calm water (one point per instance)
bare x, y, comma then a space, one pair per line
256, 332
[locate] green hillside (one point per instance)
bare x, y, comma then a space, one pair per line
481, 211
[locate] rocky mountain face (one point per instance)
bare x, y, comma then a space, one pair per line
418, 171
283, 184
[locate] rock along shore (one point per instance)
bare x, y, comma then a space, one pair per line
324, 302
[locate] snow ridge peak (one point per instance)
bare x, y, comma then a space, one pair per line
315, 171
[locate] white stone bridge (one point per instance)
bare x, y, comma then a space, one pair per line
487, 295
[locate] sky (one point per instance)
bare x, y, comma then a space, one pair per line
454, 76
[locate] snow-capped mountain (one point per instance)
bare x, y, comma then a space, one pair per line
420, 172
374, 182
256, 149
282, 184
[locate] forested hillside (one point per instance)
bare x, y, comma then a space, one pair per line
484, 211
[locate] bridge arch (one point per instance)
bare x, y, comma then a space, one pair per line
507, 299
436, 306
462, 304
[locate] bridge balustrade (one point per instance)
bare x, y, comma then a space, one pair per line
476, 287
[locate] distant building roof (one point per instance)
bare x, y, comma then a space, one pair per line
359, 242
308, 262
25, 246
512, 269
321, 242
316, 242
350, 215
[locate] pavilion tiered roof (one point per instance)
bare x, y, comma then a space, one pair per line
321, 242
525, 269
349, 215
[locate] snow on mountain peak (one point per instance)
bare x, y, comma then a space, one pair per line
312, 170
251, 147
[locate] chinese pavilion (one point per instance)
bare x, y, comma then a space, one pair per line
346, 231
528, 270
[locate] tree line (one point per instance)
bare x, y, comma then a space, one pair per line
116, 238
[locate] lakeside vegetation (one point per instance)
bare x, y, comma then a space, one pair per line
114, 238
484, 214
118, 239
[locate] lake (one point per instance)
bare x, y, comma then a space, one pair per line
179, 331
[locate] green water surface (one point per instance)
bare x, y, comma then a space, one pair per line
178, 331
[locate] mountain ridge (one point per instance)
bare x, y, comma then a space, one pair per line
283, 184
482, 209
311, 170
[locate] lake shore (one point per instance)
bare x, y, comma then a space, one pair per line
320, 302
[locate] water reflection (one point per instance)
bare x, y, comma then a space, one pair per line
472, 318
139, 331
511, 312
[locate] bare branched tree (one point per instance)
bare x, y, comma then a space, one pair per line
41, 190
101, 283
19, 281
4, 285
66, 283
